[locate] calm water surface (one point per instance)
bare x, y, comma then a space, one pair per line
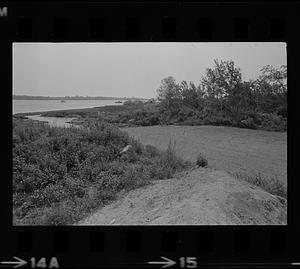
23, 106
54, 121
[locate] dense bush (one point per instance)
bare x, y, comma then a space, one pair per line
273, 122
201, 160
61, 174
248, 123
223, 98
133, 103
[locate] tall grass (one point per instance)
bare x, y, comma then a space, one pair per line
270, 184
62, 174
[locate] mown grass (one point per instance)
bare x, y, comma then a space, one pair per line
62, 174
270, 184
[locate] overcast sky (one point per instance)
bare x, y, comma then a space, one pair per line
128, 69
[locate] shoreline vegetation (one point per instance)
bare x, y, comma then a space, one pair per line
62, 174
222, 99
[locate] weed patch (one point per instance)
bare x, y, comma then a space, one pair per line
62, 174
270, 184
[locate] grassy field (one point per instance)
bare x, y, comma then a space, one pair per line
231, 149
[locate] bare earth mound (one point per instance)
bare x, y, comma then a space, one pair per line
198, 197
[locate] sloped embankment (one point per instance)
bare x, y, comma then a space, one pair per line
197, 197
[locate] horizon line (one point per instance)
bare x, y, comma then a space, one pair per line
85, 96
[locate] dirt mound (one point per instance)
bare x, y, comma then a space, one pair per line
197, 197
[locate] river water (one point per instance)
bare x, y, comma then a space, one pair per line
23, 106
54, 121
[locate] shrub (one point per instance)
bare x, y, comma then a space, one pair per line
248, 123
186, 113
133, 103
218, 120
270, 184
282, 111
273, 122
201, 160
60, 174
151, 151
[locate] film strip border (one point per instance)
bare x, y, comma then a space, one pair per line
136, 246
97, 29
168, 241
146, 22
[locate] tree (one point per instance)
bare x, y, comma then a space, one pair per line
241, 101
189, 94
169, 95
220, 81
271, 90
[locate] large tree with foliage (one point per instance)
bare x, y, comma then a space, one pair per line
271, 90
220, 82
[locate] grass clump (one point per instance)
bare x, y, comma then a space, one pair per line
201, 160
62, 174
270, 184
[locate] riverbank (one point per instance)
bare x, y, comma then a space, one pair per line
136, 113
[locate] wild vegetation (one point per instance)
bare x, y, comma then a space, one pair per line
221, 98
269, 184
62, 174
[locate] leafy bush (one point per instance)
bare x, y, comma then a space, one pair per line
133, 103
248, 123
218, 120
186, 113
273, 122
201, 160
151, 151
61, 174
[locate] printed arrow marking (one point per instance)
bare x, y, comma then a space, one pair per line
166, 263
17, 263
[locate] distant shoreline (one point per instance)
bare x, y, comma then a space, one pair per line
28, 97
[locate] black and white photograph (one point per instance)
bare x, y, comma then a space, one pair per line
149, 133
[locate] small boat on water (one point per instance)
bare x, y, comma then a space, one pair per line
62, 101
118, 102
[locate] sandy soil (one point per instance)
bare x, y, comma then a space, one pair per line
197, 197
226, 148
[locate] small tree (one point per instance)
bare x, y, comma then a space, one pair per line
169, 95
